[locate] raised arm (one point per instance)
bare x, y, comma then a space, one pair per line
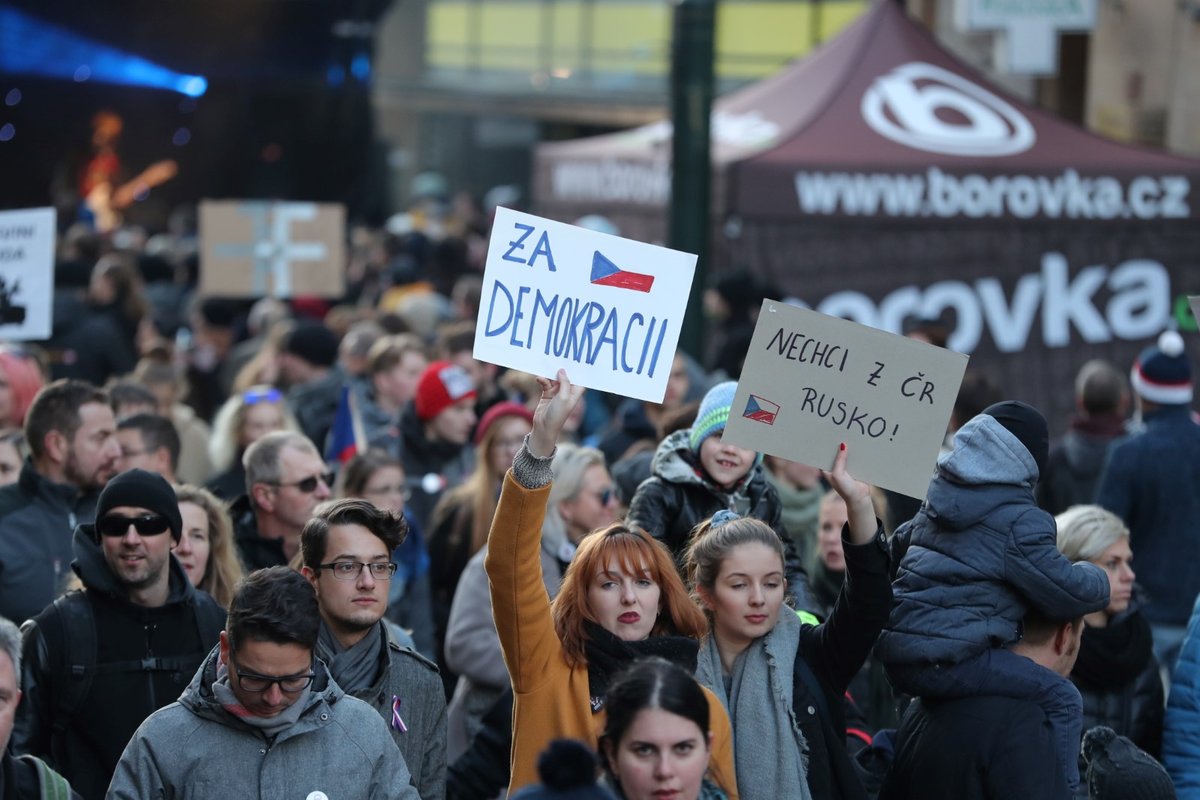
520, 605
865, 601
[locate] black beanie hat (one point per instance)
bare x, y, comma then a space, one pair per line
1118, 770
313, 342
138, 488
1027, 424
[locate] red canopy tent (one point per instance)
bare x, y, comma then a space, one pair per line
881, 177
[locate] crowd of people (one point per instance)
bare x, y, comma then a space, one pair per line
507, 584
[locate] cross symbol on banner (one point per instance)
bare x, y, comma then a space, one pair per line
271, 247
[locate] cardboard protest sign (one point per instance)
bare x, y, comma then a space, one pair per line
811, 381
254, 249
606, 309
26, 273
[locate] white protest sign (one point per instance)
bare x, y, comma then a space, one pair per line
812, 381
26, 273
251, 248
606, 309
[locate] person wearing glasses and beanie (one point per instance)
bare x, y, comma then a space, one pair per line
347, 548
149, 630
263, 717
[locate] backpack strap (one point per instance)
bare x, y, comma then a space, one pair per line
52, 785
77, 658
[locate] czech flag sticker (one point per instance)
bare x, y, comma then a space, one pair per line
760, 409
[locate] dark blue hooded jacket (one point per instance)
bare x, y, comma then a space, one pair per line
978, 555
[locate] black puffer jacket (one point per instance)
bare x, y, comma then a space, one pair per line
678, 496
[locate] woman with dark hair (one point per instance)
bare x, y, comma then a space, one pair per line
783, 681
378, 477
656, 740
621, 599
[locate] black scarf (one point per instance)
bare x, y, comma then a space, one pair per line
607, 655
1112, 656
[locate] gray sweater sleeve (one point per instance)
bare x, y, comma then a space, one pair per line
531, 471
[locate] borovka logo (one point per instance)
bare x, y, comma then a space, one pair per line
925, 107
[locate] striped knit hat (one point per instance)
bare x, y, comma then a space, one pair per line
1162, 374
713, 413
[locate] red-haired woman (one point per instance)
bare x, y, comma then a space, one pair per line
621, 599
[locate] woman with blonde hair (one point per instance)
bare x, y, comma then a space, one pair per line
1116, 671
783, 681
621, 599
242, 420
206, 548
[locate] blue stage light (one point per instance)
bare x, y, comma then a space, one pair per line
360, 67
29, 46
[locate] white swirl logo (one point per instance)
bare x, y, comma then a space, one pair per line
929, 108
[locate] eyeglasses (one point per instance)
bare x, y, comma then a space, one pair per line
257, 684
145, 525
309, 484
350, 570
252, 397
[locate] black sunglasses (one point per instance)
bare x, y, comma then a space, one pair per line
309, 484
145, 525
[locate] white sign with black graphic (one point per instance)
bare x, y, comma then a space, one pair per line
914, 103
26, 273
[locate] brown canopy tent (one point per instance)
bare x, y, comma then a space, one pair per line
882, 178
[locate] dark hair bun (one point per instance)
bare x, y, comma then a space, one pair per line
566, 764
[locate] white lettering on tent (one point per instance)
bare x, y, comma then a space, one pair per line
1139, 305
928, 108
936, 193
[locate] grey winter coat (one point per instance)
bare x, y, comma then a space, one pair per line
978, 555
414, 679
37, 520
473, 646
194, 748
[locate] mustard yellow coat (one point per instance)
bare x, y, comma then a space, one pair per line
552, 699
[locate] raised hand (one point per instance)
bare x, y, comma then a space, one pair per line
860, 509
559, 398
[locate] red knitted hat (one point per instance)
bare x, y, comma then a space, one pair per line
441, 385
497, 412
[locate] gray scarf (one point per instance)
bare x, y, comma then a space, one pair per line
770, 753
270, 727
356, 668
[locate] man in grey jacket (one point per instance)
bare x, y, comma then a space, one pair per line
347, 548
263, 718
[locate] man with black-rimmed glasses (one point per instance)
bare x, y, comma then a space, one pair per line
347, 548
262, 717
97, 662
285, 480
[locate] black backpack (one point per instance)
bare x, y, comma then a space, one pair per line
74, 664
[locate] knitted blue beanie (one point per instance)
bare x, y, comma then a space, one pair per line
713, 413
